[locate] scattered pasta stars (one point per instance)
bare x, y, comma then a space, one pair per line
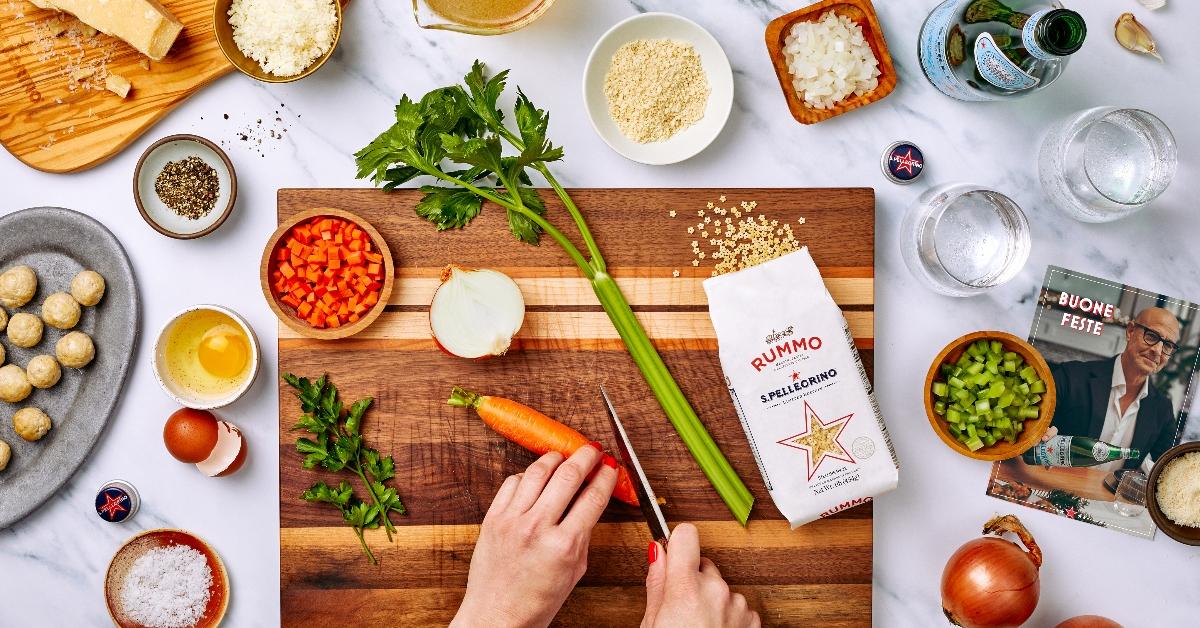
740, 240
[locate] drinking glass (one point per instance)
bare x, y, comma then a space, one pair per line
963, 239
1106, 163
1131, 494
496, 17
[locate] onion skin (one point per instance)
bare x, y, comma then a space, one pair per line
991, 582
1089, 621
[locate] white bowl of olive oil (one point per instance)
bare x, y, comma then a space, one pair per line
206, 357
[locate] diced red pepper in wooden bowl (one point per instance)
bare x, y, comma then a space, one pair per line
327, 273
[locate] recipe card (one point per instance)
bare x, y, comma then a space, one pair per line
1124, 362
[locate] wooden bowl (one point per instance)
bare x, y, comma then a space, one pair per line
218, 598
1184, 534
863, 14
249, 66
1033, 430
298, 324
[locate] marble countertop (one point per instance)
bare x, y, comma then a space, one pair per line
52, 563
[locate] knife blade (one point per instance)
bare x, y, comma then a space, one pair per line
641, 485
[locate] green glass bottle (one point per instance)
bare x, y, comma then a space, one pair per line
1076, 451
990, 50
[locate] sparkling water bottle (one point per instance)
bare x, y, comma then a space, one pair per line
979, 50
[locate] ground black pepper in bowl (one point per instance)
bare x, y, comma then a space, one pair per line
189, 187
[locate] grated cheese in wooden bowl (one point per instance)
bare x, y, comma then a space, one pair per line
283, 36
1178, 490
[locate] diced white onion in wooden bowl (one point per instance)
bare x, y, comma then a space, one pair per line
830, 60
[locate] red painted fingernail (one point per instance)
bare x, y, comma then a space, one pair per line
652, 553
610, 462
598, 446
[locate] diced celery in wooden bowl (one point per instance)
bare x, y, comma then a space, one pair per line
989, 395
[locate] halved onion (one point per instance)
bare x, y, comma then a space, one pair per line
475, 312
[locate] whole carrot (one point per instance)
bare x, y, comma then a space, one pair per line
534, 431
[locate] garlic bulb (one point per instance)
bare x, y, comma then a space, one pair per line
1134, 37
1153, 4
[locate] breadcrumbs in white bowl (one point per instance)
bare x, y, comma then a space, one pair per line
688, 116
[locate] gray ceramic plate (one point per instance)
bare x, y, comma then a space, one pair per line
57, 244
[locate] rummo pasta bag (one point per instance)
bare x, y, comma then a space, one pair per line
800, 389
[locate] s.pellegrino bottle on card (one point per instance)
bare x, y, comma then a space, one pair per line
1076, 451
980, 50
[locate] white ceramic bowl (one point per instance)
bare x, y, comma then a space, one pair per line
190, 399
687, 142
156, 213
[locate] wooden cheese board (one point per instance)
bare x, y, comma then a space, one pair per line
450, 464
57, 124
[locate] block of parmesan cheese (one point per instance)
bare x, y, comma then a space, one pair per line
144, 24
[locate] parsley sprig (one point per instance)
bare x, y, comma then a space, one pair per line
337, 445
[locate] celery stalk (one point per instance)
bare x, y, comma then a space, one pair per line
456, 135
683, 418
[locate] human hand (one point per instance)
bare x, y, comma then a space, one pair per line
529, 556
685, 590
1051, 432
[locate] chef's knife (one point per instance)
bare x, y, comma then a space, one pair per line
641, 485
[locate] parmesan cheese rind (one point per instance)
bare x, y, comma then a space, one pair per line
144, 24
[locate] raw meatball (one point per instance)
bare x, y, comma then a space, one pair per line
25, 330
60, 310
43, 371
14, 387
87, 287
5, 455
75, 350
31, 424
17, 286
3, 319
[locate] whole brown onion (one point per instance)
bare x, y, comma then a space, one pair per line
1089, 621
991, 582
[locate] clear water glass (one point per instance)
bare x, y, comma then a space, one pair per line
1131, 494
964, 239
1106, 163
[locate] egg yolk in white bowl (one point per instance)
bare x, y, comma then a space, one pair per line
207, 355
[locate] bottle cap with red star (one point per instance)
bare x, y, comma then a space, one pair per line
903, 162
117, 501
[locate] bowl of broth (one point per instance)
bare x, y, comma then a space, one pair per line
206, 357
479, 17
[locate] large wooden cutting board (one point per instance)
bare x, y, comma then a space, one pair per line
450, 464
53, 128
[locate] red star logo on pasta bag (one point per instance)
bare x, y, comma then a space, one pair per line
820, 440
